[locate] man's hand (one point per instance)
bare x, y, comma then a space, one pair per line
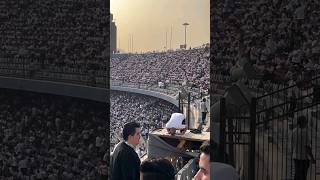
309, 152
171, 131
183, 131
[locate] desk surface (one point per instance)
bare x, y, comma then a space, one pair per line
204, 136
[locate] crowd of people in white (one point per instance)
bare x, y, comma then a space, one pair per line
51, 137
172, 67
150, 112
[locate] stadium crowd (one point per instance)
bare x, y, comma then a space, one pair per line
65, 44
148, 111
51, 137
278, 38
46, 39
172, 67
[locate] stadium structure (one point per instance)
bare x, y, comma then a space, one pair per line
60, 68
176, 79
266, 83
53, 90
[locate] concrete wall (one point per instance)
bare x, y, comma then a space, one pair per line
73, 90
159, 95
194, 112
57, 88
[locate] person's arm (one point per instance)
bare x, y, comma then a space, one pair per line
207, 109
309, 149
309, 153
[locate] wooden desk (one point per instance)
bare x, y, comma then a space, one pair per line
204, 136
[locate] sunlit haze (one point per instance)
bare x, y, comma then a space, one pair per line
148, 21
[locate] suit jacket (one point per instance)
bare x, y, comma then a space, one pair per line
124, 163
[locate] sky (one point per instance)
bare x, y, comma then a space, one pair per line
148, 21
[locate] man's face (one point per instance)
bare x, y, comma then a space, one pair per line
204, 165
136, 137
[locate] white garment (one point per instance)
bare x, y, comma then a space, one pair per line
176, 121
300, 139
221, 171
203, 107
134, 148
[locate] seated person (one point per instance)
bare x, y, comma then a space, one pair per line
176, 122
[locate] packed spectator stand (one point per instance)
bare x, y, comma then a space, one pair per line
173, 68
61, 41
150, 112
42, 40
51, 137
278, 38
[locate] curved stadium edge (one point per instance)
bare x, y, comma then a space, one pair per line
55, 88
156, 94
83, 91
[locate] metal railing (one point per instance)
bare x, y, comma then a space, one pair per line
188, 171
259, 141
170, 89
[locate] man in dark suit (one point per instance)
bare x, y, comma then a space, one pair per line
124, 161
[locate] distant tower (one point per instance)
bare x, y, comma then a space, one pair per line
113, 35
185, 34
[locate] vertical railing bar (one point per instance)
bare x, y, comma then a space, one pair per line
252, 154
222, 129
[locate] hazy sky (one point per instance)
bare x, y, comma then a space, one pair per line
149, 20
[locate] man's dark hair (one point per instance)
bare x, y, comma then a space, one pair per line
205, 148
157, 169
129, 129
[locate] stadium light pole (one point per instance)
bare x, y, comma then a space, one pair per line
185, 34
